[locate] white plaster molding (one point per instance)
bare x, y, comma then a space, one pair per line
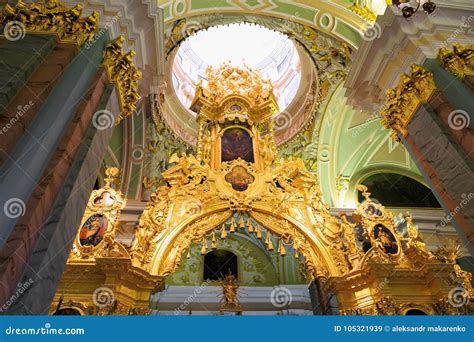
182, 299
378, 63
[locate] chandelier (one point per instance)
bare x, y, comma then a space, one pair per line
410, 7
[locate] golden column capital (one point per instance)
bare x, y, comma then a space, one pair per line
49, 17
122, 71
404, 100
459, 61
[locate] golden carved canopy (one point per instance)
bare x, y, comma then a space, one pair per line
282, 204
232, 92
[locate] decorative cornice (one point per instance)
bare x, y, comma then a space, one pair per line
122, 71
50, 17
396, 43
459, 61
404, 100
365, 12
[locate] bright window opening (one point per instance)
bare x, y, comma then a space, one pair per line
270, 52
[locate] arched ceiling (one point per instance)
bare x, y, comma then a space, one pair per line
343, 146
351, 145
335, 18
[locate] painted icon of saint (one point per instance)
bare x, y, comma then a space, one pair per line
93, 230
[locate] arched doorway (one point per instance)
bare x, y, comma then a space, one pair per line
218, 264
394, 190
415, 312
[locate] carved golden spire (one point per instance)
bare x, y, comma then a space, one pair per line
228, 80
112, 174
232, 92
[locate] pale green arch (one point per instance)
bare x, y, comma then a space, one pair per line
256, 266
353, 145
334, 18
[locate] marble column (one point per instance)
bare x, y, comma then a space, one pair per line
317, 298
25, 86
456, 92
429, 111
47, 261
30, 227
20, 174
50, 173
19, 60
446, 167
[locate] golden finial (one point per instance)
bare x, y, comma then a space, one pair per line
214, 241
270, 245
111, 175
223, 232
204, 246
250, 226
448, 252
259, 232
268, 241
362, 188
281, 249
241, 222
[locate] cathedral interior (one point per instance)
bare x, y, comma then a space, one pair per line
251, 157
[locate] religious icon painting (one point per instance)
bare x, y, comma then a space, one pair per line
239, 178
237, 143
236, 107
93, 230
105, 199
386, 239
372, 211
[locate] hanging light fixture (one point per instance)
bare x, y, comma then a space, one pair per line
410, 7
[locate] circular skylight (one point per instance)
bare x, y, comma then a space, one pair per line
270, 52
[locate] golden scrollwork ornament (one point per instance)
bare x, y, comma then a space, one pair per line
52, 17
122, 71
